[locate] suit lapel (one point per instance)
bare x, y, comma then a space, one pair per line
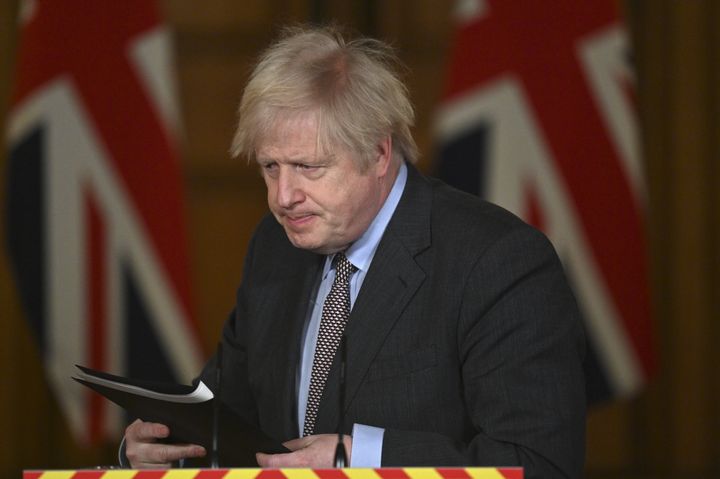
391, 283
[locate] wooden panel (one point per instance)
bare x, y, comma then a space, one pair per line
210, 91
222, 220
422, 22
689, 214
648, 24
713, 58
674, 425
609, 438
421, 32
425, 84
19, 366
214, 15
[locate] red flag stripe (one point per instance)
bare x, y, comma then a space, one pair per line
97, 309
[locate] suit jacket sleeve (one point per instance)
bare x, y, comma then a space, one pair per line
520, 347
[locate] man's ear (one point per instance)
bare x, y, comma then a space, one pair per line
384, 156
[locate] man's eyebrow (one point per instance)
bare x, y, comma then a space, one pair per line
299, 160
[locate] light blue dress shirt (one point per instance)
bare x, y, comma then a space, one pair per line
367, 440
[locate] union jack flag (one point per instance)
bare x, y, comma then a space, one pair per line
94, 213
538, 117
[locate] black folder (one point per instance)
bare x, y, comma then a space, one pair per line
188, 412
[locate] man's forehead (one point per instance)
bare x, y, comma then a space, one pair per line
283, 131
295, 136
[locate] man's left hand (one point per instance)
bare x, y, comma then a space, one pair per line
310, 451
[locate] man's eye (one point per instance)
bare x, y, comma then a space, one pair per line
269, 169
310, 171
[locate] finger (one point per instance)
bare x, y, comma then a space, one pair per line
262, 459
299, 443
169, 453
276, 461
146, 431
162, 455
150, 465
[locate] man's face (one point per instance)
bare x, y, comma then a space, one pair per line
323, 202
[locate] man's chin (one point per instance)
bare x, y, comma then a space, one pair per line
302, 241
313, 245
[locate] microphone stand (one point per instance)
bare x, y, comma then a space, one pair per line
340, 452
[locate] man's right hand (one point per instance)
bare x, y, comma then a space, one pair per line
144, 451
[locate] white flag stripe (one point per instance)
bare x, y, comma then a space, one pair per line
152, 56
602, 58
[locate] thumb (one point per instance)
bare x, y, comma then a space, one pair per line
269, 460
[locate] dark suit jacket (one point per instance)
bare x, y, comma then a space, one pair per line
464, 343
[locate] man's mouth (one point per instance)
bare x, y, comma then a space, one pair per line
298, 219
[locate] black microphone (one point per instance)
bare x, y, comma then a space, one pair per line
215, 454
340, 453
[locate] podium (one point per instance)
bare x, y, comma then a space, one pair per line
256, 473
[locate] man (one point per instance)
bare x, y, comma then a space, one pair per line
464, 345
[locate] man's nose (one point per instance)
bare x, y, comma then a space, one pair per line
289, 191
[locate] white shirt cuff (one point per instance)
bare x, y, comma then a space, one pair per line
367, 444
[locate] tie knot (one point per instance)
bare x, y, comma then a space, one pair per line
343, 268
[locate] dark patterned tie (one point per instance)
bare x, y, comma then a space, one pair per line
335, 313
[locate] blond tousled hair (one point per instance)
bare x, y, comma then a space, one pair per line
353, 87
